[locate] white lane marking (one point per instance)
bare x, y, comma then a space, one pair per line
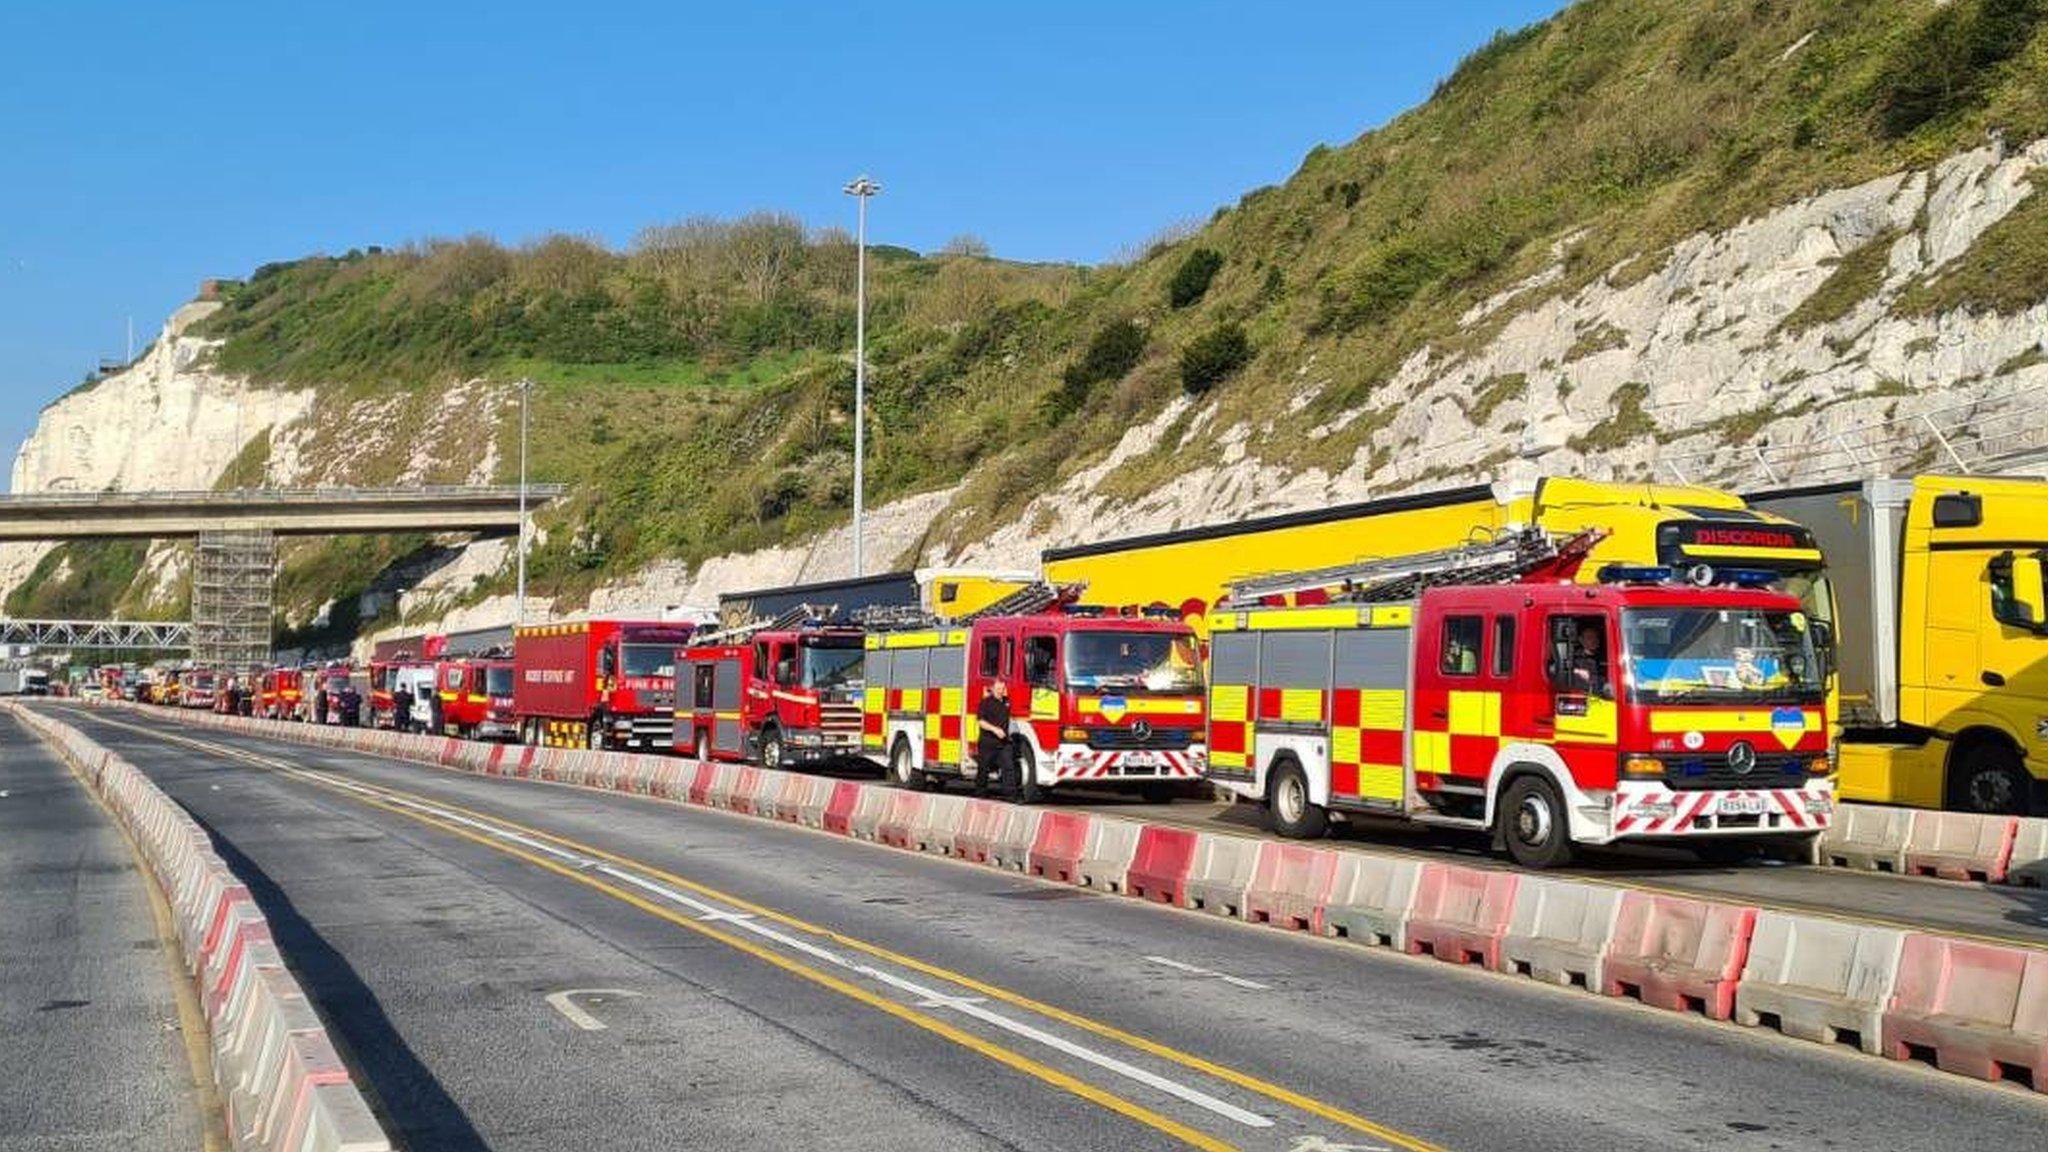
565, 1003
1324, 1144
976, 1011
3, 793
1192, 970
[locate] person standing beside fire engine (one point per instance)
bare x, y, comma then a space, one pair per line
992, 751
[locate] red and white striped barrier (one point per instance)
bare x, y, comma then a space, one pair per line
1681, 954
1461, 914
1960, 846
1106, 859
1220, 873
1819, 979
1980, 1010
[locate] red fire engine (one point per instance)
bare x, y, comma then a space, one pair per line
473, 697
783, 692
597, 683
1098, 698
1478, 688
277, 695
201, 688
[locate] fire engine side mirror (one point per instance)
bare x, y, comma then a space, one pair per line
608, 663
2019, 590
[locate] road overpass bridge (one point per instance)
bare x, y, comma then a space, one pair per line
234, 565
278, 512
99, 635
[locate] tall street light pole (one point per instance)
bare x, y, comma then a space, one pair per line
860, 189
525, 390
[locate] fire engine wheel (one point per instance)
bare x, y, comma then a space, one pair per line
703, 747
593, 734
1029, 791
771, 749
902, 772
1532, 821
1287, 801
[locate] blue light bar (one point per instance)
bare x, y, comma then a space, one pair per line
1637, 574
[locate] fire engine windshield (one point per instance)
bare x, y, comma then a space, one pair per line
1678, 655
498, 681
650, 660
832, 663
1133, 661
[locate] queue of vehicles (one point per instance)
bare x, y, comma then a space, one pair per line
1733, 641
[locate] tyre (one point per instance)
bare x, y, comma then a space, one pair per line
1988, 779
1532, 822
1160, 793
1029, 790
593, 734
902, 768
1288, 806
771, 748
702, 747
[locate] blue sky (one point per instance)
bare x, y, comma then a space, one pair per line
146, 146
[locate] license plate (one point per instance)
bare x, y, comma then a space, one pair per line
1141, 760
1742, 806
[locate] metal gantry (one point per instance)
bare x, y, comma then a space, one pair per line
233, 574
137, 635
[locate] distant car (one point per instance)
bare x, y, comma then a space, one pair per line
92, 692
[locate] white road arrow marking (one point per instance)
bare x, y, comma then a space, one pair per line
565, 1003
1191, 970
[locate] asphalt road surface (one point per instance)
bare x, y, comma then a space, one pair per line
517, 965
91, 1054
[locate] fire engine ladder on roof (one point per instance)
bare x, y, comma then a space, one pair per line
1508, 556
1034, 597
794, 618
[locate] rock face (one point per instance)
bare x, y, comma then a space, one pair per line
1694, 364
1689, 372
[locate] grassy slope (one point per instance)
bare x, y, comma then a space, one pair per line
695, 388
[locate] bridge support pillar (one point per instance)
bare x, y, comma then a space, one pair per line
234, 578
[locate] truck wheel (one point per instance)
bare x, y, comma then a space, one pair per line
771, 748
1988, 779
593, 734
1293, 814
1029, 791
702, 748
1532, 821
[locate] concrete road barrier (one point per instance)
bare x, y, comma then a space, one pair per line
2029, 864
1370, 898
1012, 846
284, 1087
1819, 979
979, 828
1220, 874
1160, 863
1868, 837
789, 801
701, 783
1056, 853
869, 806
938, 824
1461, 914
1560, 930
1961, 846
1106, 861
761, 792
1979, 1010
838, 814
739, 796
1290, 885
817, 800
898, 816
1676, 953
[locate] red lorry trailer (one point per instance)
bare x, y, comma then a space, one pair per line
1098, 698
780, 696
597, 683
473, 697
1552, 714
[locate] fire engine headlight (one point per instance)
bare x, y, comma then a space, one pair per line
1074, 735
1642, 766
1820, 766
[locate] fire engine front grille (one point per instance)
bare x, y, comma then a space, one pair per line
1120, 739
839, 716
1773, 770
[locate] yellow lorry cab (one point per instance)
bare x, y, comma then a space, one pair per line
1943, 638
1656, 524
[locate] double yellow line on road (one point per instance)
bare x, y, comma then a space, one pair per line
911, 1015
